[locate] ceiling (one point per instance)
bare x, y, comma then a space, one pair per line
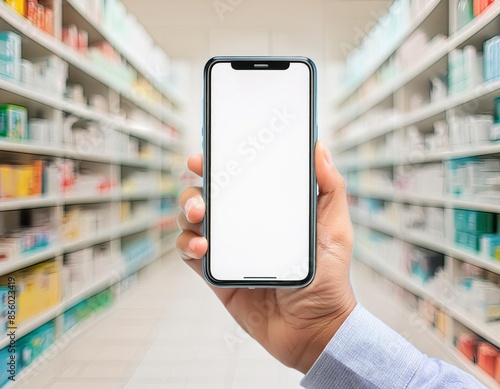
191, 31
195, 29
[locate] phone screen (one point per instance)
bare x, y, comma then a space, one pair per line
259, 182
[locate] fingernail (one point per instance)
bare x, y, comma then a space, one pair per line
191, 204
328, 156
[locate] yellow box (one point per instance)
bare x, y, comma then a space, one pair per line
18, 5
6, 182
48, 284
24, 180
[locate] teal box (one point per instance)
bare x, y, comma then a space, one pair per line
10, 55
8, 363
31, 346
10, 46
471, 241
10, 70
474, 241
4, 309
460, 220
496, 110
461, 238
480, 222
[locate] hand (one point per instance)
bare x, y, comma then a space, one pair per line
294, 325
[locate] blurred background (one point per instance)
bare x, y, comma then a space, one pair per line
101, 103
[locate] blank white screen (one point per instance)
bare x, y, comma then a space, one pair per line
260, 137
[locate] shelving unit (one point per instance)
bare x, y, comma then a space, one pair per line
369, 114
143, 180
365, 269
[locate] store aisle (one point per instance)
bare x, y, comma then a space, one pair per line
169, 331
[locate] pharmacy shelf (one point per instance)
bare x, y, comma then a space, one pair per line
31, 325
29, 93
420, 157
27, 147
447, 351
119, 46
104, 283
27, 203
376, 64
430, 57
422, 240
481, 204
100, 237
28, 260
85, 112
53, 45
139, 163
136, 226
489, 331
59, 309
74, 199
484, 91
140, 195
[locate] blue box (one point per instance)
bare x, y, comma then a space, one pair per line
10, 46
491, 50
10, 55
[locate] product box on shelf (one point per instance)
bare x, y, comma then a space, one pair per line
465, 69
32, 345
472, 226
38, 289
490, 246
465, 13
480, 297
424, 264
50, 74
473, 177
10, 362
481, 5
4, 309
10, 55
75, 38
86, 308
18, 181
491, 55
41, 14
487, 357
13, 122
78, 271
18, 5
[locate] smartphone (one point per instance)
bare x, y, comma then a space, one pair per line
259, 181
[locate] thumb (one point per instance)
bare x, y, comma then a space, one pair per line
333, 210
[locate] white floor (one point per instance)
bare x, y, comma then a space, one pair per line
169, 331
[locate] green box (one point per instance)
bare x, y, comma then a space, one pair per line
13, 122
480, 222
496, 110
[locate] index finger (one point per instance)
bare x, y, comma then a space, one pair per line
195, 164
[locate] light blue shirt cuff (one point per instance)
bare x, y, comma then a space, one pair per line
364, 353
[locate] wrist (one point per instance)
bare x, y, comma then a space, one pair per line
323, 334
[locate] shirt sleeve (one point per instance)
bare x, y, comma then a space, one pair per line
366, 353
